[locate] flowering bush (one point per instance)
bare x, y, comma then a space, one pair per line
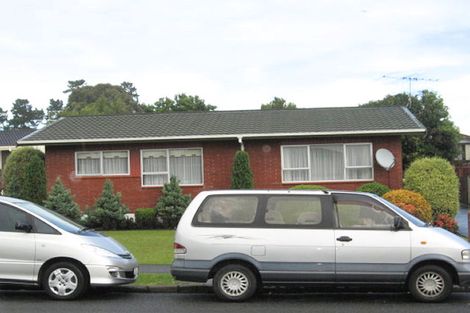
411, 202
447, 222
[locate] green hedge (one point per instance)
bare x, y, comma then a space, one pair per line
375, 188
145, 218
435, 179
308, 187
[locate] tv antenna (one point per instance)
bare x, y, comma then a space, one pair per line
410, 79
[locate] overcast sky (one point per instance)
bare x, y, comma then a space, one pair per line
239, 54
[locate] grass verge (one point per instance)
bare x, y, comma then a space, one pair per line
160, 279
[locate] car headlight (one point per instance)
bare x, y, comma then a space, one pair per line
100, 251
466, 255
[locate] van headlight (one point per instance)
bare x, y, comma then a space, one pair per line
466, 255
100, 251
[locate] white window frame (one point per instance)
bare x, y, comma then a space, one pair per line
167, 172
101, 173
344, 161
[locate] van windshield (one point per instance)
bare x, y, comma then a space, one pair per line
413, 219
51, 216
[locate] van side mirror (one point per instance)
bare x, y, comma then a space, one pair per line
398, 223
23, 227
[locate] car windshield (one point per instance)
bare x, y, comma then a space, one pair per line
413, 219
51, 216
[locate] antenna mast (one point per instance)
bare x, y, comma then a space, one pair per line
410, 79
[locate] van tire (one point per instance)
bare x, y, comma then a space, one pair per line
234, 283
430, 283
64, 281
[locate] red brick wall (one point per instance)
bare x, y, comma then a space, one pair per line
265, 159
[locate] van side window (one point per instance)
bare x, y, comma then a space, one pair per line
42, 228
293, 210
9, 217
355, 213
236, 209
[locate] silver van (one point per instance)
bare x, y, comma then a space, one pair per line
40, 247
246, 239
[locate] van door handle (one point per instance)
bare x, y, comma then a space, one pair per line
344, 238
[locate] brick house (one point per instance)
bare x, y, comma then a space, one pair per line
462, 167
334, 147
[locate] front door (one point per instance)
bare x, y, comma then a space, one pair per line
17, 248
368, 249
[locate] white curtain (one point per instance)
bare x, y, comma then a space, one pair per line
327, 162
295, 163
186, 165
88, 163
155, 179
115, 162
358, 156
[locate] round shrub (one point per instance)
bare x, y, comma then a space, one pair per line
308, 187
411, 202
447, 222
24, 175
145, 218
435, 179
375, 188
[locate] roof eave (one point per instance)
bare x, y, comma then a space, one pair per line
226, 136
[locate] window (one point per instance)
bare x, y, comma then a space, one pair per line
361, 214
228, 210
9, 217
43, 228
327, 162
102, 163
293, 210
159, 165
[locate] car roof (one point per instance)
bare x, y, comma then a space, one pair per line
281, 192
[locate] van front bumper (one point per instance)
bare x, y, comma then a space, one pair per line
116, 272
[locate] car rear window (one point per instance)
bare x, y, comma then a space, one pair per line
226, 210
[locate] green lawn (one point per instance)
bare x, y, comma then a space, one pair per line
155, 280
148, 246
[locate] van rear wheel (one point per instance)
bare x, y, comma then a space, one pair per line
235, 282
430, 283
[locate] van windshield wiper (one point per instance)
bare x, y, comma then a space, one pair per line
85, 229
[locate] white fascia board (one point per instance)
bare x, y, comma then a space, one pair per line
231, 136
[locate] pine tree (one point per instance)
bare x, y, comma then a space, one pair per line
60, 199
108, 212
172, 204
242, 176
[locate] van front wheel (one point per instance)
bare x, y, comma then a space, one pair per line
234, 283
430, 283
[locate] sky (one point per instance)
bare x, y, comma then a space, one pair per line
239, 54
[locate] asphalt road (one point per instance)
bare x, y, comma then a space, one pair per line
117, 302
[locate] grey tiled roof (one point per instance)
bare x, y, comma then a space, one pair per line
10, 137
225, 124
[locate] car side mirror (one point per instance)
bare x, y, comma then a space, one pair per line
398, 223
23, 227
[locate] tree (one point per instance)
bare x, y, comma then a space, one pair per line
74, 84
108, 211
278, 104
131, 90
99, 100
171, 205
60, 199
24, 116
3, 119
181, 102
53, 110
24, 175
441, 137
242, 176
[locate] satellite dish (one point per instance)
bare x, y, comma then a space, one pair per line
385, 158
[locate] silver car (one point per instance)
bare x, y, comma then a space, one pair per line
245, 239
40, 247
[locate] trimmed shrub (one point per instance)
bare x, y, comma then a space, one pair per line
145, 218
108, 211
24, 175
447, 222
171, 204
411, 202
60, 199
308, 187
435, 179
375, 188
242, 176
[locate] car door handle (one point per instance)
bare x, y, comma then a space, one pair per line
344, 238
